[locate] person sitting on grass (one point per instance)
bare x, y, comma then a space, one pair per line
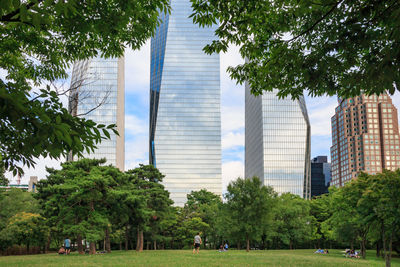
226, 247
61, 251
319, 251
347, 252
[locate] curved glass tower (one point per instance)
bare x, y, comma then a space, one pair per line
277, 142
185, 118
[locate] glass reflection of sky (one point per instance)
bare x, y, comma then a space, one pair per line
278, 143
98, 77
185, 119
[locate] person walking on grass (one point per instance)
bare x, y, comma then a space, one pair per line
197, 242
67, 244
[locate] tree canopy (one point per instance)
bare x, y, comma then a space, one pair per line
39, 41
324, 47
250, 205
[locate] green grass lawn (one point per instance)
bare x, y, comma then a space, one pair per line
206, 258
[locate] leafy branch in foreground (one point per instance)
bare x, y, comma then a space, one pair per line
39, 41
323, 47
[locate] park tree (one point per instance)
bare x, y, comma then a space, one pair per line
382, 198
39, 42
350, 219
187, 228
205, 205
338, 227
26, 228
324, 47
147, 182
226, 228
250, 206
321, 210
293, 221
13, 202
78, 199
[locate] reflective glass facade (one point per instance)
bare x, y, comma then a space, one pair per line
277, 142
98, 94
185, 119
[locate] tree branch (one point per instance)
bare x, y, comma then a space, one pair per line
9, 16
317, 22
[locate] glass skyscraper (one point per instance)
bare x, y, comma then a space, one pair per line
97, 93
277, 142
185, 117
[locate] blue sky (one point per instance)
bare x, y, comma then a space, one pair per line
137, 83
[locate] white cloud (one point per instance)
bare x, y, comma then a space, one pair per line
320, 111
232, 118
231, 140
39, 170
230, 172
232, 94
137, 69
136, 151
135, 126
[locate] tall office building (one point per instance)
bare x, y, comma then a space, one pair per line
98, 94
320, 175
277, 142
185, 117
365, 137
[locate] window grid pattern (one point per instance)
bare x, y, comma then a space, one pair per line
278, 143
95, 83
185, 110
365, 137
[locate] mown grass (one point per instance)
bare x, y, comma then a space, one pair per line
271, 258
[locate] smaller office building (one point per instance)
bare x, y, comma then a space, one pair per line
320, 175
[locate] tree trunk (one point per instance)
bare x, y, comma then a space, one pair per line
238, 245
247, 244
290, 244
141, 241
139, 244
27, 248
126, 237
362, 247
389, 255
48, 243
155, 244
378, 249
92, 248
108, 245
80, 247
352, 245
120, 245
147, 245
137, 239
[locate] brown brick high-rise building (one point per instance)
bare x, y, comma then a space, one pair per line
365, 137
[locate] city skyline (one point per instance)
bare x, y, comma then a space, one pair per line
137, 82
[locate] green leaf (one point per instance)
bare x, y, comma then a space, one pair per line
106, 133
23, 12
